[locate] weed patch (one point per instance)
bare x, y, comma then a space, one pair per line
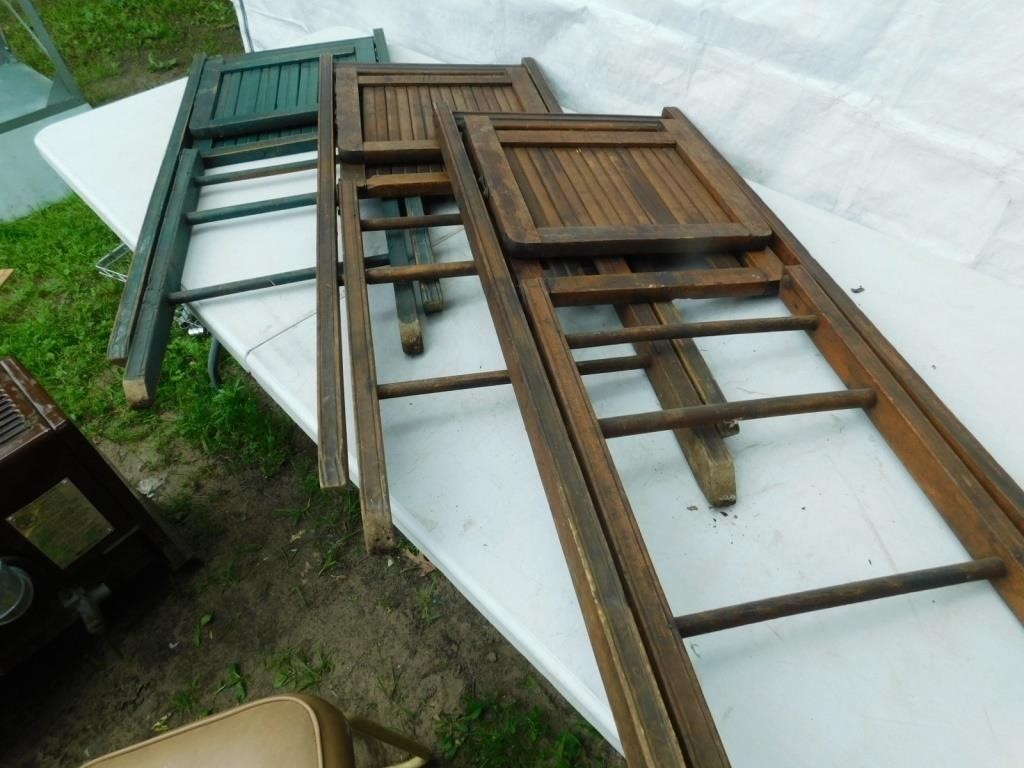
504, 733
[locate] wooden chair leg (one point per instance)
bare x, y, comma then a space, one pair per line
420, 755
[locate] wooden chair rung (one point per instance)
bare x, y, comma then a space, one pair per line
411, 222
689, 330
494, 378
843, 594
408, 272
639, 287
257, 283
761, 408
208, 179
250, 209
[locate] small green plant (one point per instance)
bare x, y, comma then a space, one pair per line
295, 514
204, 621
329, 557
185, 700
227, 575
429, 603
296, 669
390, 684
496, 733
160, 65
233, 683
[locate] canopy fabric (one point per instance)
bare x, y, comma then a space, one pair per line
905, 115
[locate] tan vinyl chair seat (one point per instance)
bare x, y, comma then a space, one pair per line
290, 730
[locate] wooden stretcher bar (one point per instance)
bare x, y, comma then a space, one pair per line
522, 293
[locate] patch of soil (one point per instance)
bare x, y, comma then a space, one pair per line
403, 645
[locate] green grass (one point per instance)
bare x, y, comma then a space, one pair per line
298, 669
56, 312
102, 40
490, 732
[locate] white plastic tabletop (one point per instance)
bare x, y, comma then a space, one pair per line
932, 679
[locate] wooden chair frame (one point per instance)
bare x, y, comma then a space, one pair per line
655, 697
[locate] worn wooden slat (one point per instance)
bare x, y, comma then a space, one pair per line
332, 453
423, 75
156, 315
407, 184
854, 592
134, 287
375, 503
765, 260
977, 520
629, 681
346, 92
659, 286
395, 151
572, 138
667, 239
579, 122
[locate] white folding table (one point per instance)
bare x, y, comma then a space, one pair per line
930, 679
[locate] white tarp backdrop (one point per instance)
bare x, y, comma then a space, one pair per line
906, 116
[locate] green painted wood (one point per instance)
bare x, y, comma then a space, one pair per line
269, 90
431, 293
156, 314
208, 179
410, 329
256, 123
131, 295
231, 153
250, 209
263, 105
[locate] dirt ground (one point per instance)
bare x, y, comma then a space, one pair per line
283, 594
